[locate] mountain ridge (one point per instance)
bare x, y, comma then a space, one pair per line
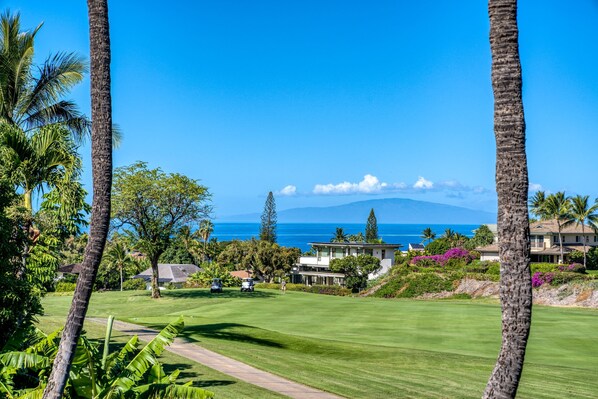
388, 210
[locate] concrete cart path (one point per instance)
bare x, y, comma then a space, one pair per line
224, 364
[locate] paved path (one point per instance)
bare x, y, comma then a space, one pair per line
225, 364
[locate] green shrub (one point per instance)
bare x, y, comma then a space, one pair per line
561, 278
314, 289
414, 285
544, 267
63, 286
134, 284
459, 296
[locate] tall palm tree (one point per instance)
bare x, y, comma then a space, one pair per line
512, 190
582, 212
537, 203
558, 208
428, 234
101, 156
32, 100
117, 256
206, 228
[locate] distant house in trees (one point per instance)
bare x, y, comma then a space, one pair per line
175, 274
416, 247
315, 270
544, 240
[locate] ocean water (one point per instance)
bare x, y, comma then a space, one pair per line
300, 234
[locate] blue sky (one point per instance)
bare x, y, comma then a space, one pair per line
328, 102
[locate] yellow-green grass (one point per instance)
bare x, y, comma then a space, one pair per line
367, 347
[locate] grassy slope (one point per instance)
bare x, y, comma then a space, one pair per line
366, 347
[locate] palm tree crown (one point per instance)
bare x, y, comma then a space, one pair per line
582, 212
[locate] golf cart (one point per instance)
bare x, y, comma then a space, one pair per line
247, 285
216, 285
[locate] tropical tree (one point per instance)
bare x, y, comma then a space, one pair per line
356, 269
359, 237
117, 257
558, 208
512, 190
339, 235
536, 204
31, 96
152, 206
206, 228
269, 218
449, 234
582, 212
101, 158
371, 227
428, 235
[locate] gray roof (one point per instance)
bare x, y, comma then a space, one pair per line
353, 245
170, 273
416, 246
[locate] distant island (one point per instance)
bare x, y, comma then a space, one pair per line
388, 210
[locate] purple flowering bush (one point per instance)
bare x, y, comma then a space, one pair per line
573, 268
458, 254
539, 279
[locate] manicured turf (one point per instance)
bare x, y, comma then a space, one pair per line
370, 348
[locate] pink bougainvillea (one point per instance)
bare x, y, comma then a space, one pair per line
441, 260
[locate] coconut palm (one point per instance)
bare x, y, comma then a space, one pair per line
339, 235
536, 204
428, 235
558, 208
101, 157
582, 212
512, 191
46, 158
117, 256
206, 228
31, 95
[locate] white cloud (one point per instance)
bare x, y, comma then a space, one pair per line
289, 190
535, 187
423, 184
369, 185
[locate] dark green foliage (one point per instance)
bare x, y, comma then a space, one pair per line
210, 271
265, 259
134, 284
356, 269
591, 258
176, 253
439, 246
371, 228
268, 227
339, 235
19, 299
483, 236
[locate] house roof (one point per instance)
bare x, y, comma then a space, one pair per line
416, 246
353, 245
551, 227
73, 268
488, 248
554, 250
170, 273
242, 274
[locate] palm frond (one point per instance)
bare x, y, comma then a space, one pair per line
116, 364
35, 393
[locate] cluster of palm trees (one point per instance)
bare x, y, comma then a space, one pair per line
566, 211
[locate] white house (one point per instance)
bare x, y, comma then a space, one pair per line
544, 242
311, 270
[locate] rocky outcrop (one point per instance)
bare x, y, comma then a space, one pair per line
575, 294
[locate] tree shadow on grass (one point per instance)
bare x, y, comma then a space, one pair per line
228, 293
193, 376
219, 331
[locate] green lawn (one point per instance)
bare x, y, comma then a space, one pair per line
366, 347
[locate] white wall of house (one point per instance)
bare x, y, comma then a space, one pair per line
489, 256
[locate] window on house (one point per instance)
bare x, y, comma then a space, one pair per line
576, 238
383, 254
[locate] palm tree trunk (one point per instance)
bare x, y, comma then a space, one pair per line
583, 240
121, 277
101, 155
560, 242
512, 189
155, 276
28, 200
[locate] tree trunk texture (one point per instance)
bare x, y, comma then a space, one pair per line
101, 154
512, 190
155, 277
